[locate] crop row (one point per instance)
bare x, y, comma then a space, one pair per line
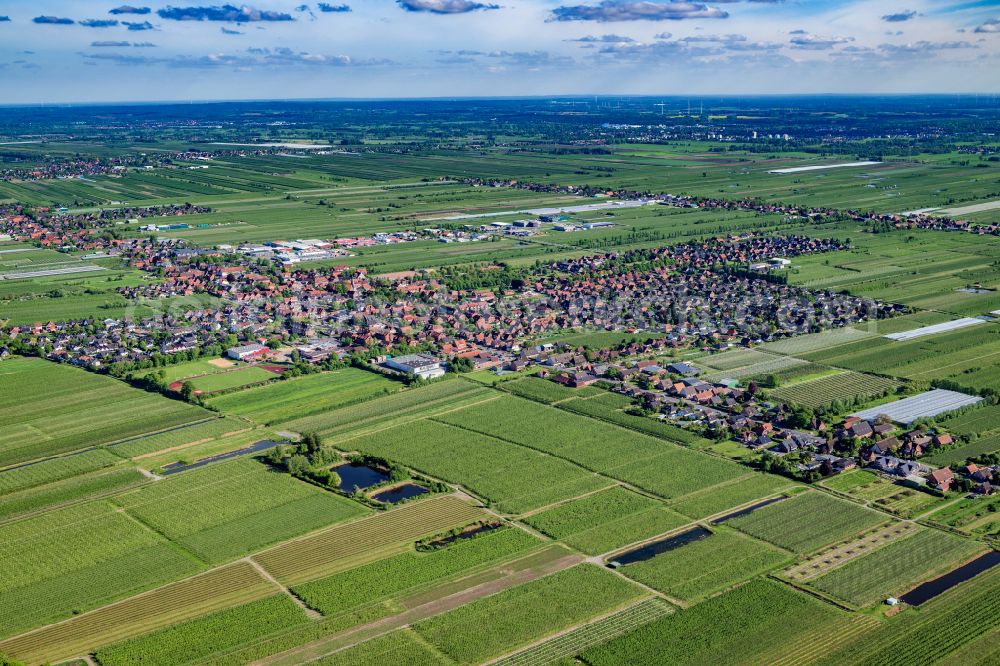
396, 574
891, 570
842, 386
807, 522
697, 569
174, 603
726, 629
525, 613
54, 470
355, 543
100, 482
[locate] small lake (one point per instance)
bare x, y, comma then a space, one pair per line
651, 550
358, 475
400, 493
748, 510
933, 588
263, 445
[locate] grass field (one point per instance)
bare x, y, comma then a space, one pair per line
979, 515
807, 521
47, 409
893, 569
234, 379
606, 521
345, 546
695, 570
304, 396
243, 506
177, 602
526, 613
981, 419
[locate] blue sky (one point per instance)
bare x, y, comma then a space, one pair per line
94, 50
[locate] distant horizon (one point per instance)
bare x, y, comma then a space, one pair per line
459, 98
66, 51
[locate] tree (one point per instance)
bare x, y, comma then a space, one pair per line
187, 390
9, 661
297, 465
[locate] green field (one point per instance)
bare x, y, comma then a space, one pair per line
304, 396
243, 506
47, 409
396, 575
84, 486
526, 613
845, 386
728, 629
695, 570
58, 563
807, 522
893, 569
606, 520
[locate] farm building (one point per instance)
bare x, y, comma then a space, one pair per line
247, 352
421, 365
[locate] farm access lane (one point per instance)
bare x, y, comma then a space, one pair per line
516, 573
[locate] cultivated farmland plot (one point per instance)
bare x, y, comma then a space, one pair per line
842, 386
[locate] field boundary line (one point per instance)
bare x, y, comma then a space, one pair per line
311, 613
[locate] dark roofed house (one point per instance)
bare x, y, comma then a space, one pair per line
683, 369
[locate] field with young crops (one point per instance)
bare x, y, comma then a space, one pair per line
47, 409
960, 454
406, 405
893, 569
513, 477
303, 396
197, 639
844, 386
692, 571
801, 344
606, 521
807, 522
78, 558
526, 613
356, 543
217, 589
882, 493
397, 574
230, 380
242, 506
757, 619
657, 466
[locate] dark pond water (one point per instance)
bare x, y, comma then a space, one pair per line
748, 510
651, 550
938, 586
356, 475
399, 493
263, 445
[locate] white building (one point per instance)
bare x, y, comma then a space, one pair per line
421, 365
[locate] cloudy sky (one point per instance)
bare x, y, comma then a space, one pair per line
94, 50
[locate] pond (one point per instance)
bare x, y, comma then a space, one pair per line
933, 588
651, 550
400, 493
263, 445
748, 510
359, 475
